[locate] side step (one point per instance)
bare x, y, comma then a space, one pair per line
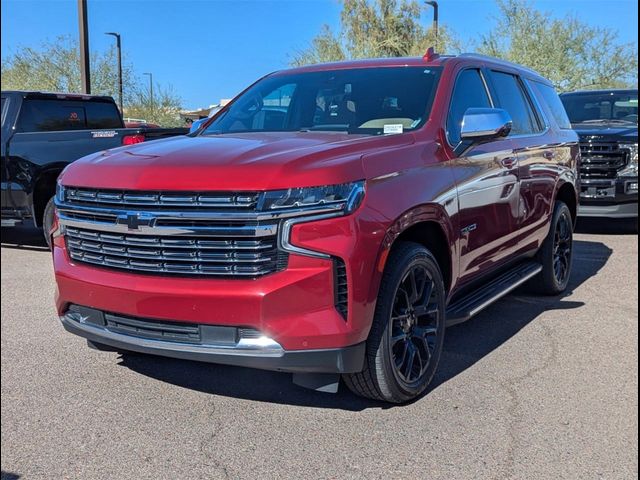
473, 303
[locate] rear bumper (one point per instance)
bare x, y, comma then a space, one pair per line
215, 345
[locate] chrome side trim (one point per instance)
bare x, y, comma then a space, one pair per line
261, 346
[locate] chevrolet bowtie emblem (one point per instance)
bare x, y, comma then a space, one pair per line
134, 221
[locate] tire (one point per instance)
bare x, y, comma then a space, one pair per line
556, 253
417, 323
47, 221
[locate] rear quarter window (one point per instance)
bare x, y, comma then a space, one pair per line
549, 96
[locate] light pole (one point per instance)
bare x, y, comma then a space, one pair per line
434, 4
83, 26
150, 89
119, 48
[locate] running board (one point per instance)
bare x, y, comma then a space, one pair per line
468, 306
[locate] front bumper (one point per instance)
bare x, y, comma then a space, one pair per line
609, 198
295, 307
224, 345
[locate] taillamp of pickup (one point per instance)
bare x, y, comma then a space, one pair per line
132, 139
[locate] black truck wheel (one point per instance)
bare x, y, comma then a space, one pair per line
47, 221
406, 338
556, 253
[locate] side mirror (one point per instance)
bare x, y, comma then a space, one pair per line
195, 125
484, 124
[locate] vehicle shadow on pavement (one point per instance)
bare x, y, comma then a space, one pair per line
23, 237
608, 226
465, 345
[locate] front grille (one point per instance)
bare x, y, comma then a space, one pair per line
175, 254
161, 330
601, 160
160, 200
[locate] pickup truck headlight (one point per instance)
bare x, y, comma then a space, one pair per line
631, 170
60, 193
343, 198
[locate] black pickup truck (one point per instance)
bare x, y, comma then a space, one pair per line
607, 123
42, 133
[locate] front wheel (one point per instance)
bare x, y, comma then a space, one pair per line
407, 334
47, 221
556, 253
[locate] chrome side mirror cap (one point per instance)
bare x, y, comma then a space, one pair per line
484, 124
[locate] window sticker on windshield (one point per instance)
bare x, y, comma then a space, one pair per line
393, 128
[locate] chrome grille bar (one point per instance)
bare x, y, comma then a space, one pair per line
246, 200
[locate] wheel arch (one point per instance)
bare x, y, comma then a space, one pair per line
43, 189
566, 192
427, 225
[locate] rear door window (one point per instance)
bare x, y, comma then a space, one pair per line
512, 98
45, 115
551, 98
468, 92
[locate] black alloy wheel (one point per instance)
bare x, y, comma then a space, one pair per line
414, 325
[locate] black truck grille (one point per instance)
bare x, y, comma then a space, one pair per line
177, 233
601, 160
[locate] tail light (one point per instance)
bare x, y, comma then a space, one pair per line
132, 139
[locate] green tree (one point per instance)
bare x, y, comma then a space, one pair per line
567, 51
382, 28
164, 110
55, 67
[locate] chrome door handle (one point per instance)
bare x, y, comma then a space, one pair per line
549, 154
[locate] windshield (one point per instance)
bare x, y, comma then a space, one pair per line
365, 100
614, 107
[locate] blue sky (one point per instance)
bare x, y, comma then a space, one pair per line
209, 50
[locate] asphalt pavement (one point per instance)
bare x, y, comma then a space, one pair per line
532, 388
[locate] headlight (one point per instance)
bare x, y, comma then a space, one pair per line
60, 194
631, 170
345, 197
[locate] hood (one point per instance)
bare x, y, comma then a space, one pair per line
249, 161
606, 132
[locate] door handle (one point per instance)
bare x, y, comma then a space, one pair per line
549, 154
509, 162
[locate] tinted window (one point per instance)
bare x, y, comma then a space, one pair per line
621, 107
469, 92
511, 97
364, 100
551, 98
102, 115
39, 115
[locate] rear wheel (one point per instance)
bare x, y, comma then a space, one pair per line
406, 338
556, 253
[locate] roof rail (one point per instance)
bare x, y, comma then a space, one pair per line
500, 61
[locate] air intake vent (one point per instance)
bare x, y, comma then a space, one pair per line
341, 294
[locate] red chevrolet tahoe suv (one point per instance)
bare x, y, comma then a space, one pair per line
331, 221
